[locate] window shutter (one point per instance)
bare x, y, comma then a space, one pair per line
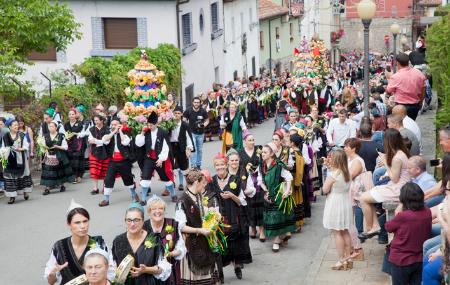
120, 33
186, 25
49, 55
214, 17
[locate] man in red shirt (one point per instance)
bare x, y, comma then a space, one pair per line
407, 86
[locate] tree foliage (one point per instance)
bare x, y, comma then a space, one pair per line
438, 57
32, 25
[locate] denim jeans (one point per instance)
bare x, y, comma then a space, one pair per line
432, 274
359, 219
377, 173
436, 200
196, 158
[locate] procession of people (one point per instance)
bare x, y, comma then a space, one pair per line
259, 189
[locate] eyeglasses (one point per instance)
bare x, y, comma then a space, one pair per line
134, 221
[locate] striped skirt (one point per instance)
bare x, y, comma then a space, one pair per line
98, 167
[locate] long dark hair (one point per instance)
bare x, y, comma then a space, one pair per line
75, 211
393, 142
412, 197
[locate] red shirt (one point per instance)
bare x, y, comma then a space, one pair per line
406, 85
411, 229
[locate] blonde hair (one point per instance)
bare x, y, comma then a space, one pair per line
340, 162
155, 203
233, 103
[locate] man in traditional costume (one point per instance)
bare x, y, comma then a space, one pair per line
182, 146
120, 162
155, 142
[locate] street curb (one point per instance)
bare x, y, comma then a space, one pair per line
317, 261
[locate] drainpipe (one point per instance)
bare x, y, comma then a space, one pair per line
270, 49
177, 8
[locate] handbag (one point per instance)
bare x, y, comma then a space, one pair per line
51, 160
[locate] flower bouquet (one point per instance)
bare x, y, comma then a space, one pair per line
4, 155
285, 205
213, 221
42, 148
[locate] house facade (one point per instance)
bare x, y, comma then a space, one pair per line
241, 50
279, 34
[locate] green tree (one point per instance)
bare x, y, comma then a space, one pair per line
438, 57
32, 25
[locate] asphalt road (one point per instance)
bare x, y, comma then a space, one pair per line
28, 230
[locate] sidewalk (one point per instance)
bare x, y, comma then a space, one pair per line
369, 270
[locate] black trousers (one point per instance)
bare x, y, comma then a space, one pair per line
180, 160
412, 110
119, 167
149, 166
407, 275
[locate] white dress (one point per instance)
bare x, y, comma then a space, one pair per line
338, 213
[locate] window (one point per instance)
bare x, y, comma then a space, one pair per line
253, 66
214, 16
235, 75
120, 33
189, 92
201, 21
216, 74
233, 30
49, 55
186, 22
261, 39
277, 32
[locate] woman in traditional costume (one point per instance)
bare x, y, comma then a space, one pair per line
272, 174
16, 174
282, 153
75, 151
56, 169
150, 267
169, 233
250, 161
299, 190
234, 126
29, 135
198, 266
211, 104
86, 123
98, 159
67, 256
252, 107
232, 206
282, 109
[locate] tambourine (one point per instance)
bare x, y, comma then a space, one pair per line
78, 281
123, 269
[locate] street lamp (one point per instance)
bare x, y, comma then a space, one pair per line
366, 11
395, 30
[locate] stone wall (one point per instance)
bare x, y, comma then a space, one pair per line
354, 34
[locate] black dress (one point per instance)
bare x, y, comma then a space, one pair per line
75, 151
63, 252
235, 216
144, 255
255, 205
175, 277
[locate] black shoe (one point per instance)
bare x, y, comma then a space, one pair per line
11, 200
62, 189
362, 238
46, 192
95, 192
238, 272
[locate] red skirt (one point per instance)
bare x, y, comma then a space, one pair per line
98, 167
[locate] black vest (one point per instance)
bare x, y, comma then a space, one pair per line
99, 152
161, 135
124, 150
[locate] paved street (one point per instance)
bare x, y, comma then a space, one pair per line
29, 229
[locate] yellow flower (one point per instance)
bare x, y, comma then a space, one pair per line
205, 201
233, 185
243, 177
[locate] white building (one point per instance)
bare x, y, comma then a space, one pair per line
197, 27
241, 44
108, 28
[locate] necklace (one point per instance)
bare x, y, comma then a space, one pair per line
222, 180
